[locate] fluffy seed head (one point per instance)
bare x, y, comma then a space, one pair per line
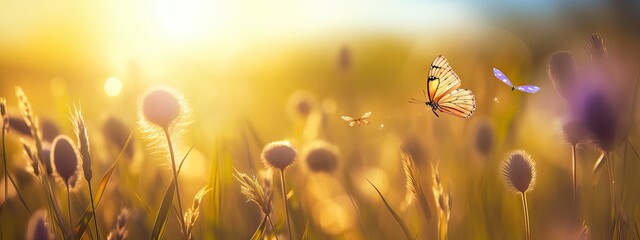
278, 154
575, 132
484, 138
413, 146
37, 228
562, 72
519, 171
601, 120
321, 156
344, 58
64, 158
49, 129
83, 143
301, 104
162, 106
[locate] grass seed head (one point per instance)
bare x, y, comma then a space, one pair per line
600, 120
251, 189
162, 107
519, 171
575, 132
321, 156
485, 137
278, 154
83, 143
64, 159
597, 49
38, 228
562, 72
120, 231
301, 104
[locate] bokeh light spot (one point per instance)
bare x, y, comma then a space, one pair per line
113, 86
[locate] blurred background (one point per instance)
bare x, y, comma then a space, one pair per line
244, 68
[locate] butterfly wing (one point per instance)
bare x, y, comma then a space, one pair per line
441, 80
348, 119
366, 115
500, 76
529, 88
460, 102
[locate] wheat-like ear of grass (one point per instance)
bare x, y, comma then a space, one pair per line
32, 123
119, 231
415, 190
251, 189
191, 215
83, 147
443, 204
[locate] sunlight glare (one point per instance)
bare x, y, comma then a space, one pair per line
113, 86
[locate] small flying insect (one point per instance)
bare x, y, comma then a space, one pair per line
525, 88
363, 120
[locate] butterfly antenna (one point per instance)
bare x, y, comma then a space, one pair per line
424, 94
413, 100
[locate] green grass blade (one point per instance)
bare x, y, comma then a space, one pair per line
161, 219
405, 229
82, 224
259, 234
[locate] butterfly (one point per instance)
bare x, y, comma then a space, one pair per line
444, 93
363, 120
525, 88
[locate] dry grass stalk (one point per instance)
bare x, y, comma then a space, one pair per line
415, 191
443, 203
191, 215
519, 172
83, 146
260, 195
38, 228
163, 108
120, 232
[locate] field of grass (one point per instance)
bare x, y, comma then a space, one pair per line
246, 138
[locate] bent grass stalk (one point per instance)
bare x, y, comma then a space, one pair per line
175, 177
93, 208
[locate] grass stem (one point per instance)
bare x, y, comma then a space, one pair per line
175, 177
95, 216
526, 216
69, 210
286, 205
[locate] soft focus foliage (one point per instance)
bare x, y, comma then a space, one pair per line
257, 72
